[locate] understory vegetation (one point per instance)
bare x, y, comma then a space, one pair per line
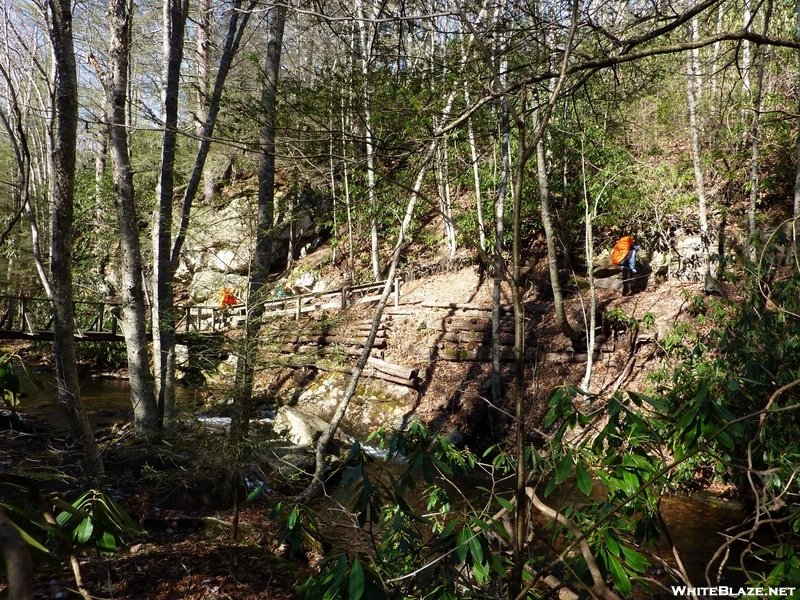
182, 180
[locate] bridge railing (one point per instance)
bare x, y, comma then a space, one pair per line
28, 315
207, 318
298, 304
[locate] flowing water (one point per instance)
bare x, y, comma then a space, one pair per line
696, 524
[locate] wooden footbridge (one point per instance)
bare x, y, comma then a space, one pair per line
24, 318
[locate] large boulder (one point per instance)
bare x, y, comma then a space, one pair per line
683, 262
376, 403
302, 428
221, 240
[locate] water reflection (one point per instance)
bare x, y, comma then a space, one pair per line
107, 400
696, 525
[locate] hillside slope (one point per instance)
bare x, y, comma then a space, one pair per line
427, 332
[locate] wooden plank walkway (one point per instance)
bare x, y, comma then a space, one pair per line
23, 318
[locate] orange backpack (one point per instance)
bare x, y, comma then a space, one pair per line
621, 249
227, 297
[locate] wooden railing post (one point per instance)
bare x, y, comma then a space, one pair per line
297, 309
11, 315
396, 293
344, 297
23, 312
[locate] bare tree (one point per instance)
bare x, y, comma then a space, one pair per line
691, 95
13, 122
175, 13
133, 311
266, 203
365, 51
62, 196
203, 61
237, 23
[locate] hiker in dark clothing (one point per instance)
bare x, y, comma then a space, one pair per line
628, 265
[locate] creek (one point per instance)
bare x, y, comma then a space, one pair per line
696, 523
107, 400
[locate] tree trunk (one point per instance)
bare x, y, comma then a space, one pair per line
203, 52
266, 202
796, 211
166, 261
691, 87
588, 216
448, 200
752, 212
473, 148
345, 174
445, 207
552, 252
521, 514
754, 140
100, 171
163, 317
62, 194
473, 153
18, 562
132, 312
373, 200
332, 173
499, 263
747, 17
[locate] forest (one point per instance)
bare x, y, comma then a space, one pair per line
401, 207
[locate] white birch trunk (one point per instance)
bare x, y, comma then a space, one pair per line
691, 86
448, 200
365, 44
346, 176
473, 153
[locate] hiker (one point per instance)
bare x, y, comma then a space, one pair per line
227, 297
628, 265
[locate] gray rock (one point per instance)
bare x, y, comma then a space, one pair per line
376, 404
205, 286
302, 428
